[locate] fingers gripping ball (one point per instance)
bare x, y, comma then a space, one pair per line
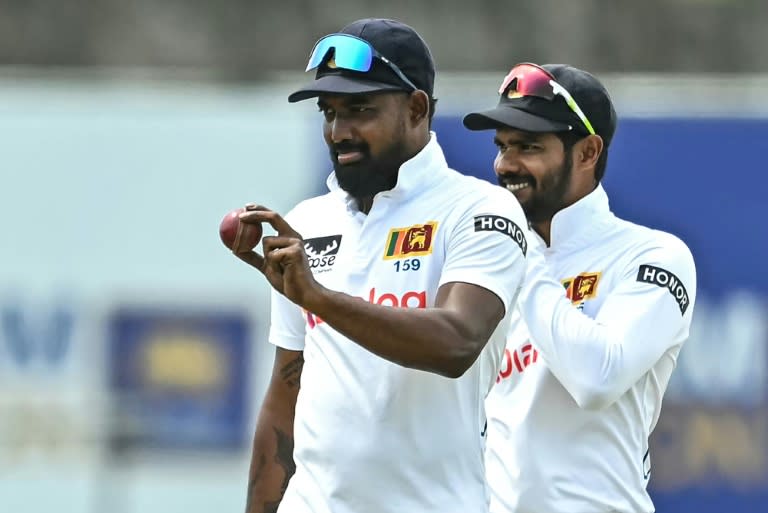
239, 236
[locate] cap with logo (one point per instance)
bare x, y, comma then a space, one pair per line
369, 55
561, 98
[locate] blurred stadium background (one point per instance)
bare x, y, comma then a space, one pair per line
132, 345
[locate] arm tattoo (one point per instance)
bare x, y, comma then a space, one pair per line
291, 372
284, 456
291, 376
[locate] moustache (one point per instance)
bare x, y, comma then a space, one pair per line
349, 147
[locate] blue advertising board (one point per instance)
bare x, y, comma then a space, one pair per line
702, 179
179, 378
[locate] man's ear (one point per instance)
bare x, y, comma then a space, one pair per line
418, 107
588, 151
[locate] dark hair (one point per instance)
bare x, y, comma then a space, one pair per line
570, 138
432, 105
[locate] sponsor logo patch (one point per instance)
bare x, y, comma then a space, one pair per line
582, 287
411, 241
666, 280
322, 251
492, 223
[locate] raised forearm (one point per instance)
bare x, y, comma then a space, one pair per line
439, 340
598, 360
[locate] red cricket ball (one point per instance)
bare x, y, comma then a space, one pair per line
237, 235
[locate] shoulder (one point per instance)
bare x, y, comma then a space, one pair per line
457, 180
670, 244
647, 240
479, 196
658, 255
479, 208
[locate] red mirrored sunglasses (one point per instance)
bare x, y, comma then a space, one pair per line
528, 79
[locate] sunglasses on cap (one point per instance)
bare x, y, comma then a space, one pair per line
351, 53
533, 80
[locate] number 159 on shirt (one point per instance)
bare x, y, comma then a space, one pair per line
411, 264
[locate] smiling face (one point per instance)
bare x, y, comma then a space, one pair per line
368, 139
536, 168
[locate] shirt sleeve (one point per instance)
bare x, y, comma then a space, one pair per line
287, 327
647, 313
487, 248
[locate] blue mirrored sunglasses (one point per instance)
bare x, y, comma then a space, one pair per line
351, 53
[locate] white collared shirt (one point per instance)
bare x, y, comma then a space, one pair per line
372, 436
582, 381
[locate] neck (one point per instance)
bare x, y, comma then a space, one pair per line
365, 204
543, 228
423, 141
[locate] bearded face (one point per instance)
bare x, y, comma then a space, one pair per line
367, 140
541, 195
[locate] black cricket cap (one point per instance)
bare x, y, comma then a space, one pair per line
396, 41
534, 114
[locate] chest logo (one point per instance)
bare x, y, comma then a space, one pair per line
322, 251
411, 241
582, 287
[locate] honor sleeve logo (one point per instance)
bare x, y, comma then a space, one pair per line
492, 223
666, 280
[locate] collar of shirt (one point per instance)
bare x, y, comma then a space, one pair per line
579, 223
415, 175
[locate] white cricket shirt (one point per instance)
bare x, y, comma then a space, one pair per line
372, 436
581, 386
